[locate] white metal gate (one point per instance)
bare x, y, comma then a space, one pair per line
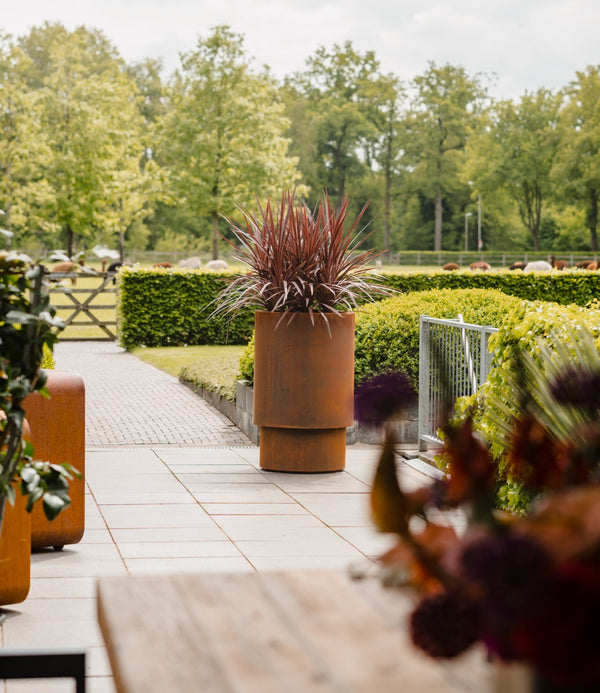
454, 360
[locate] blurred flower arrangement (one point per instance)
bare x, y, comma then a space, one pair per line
527, 587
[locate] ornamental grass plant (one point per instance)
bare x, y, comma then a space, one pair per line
526, 587
301, 261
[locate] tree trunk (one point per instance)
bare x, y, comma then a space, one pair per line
70, 235
215, 235
437, 242
593, 219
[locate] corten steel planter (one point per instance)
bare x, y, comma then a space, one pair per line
303, 390
58, 435
15, 552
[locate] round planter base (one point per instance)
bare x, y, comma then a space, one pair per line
302, 450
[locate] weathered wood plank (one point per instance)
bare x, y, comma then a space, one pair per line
264, 633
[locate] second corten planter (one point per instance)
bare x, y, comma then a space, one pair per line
58, 435
303, 390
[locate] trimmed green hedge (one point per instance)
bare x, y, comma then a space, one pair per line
387, 333
166, 307
160, 307
564, 287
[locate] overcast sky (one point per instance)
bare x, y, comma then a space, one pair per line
525, 43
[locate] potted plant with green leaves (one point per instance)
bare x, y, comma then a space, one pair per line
306, 276
28, 327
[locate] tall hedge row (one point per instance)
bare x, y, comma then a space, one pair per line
166, 307
161, 307
565, 287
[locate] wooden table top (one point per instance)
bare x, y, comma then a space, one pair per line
295, 632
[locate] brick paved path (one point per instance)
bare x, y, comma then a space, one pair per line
129, 402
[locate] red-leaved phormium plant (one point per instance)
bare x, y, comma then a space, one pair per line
301, 261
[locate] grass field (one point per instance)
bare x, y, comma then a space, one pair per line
213, 367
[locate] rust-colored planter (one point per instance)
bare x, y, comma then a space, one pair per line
303, 390
15, 552
58, 435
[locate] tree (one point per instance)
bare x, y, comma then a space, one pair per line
446, 102
384, 98
221, 138
576, 172
335, 86
23, 148
93, 126
515, 152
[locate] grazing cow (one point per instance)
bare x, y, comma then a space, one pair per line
65, 267
451, 266
479, 265
538, 266
216, 265
558, 264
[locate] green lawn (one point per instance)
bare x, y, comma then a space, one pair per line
212, 367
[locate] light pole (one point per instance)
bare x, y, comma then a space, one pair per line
479, 239
467, 215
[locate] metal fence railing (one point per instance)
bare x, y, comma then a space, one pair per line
454, 360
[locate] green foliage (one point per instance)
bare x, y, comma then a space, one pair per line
537, 335
169, 307
387, 333
28, 328
515, 153
446, 106
161, 307
221, 138
247, 361
576, 171
48, 361
564, 287
216, 372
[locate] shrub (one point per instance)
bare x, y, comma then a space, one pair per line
387, 332
543, 327
565, 287
164, 307
48, 361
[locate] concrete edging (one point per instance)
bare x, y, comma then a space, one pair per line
240, 413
